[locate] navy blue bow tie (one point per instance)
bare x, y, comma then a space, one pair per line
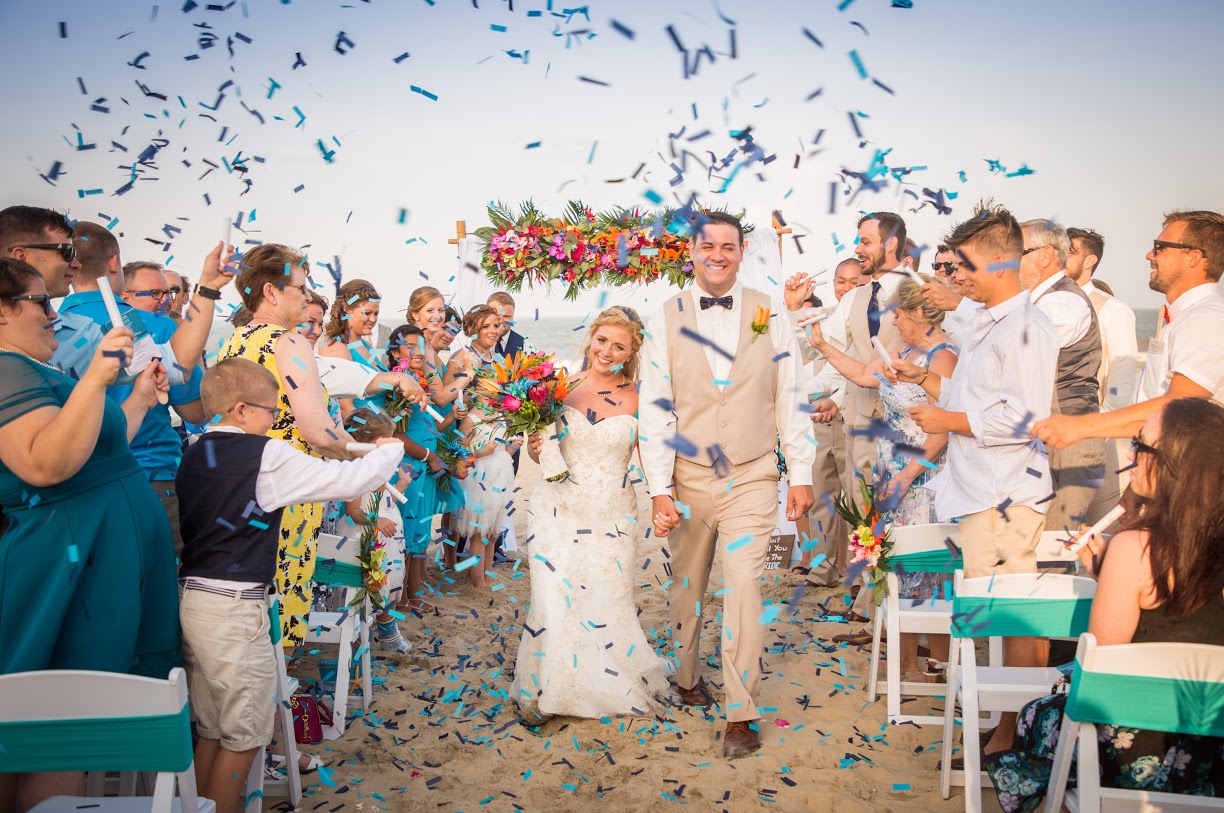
708, 302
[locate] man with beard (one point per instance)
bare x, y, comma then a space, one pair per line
859, 317
1186, 358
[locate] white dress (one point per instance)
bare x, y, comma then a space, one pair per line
487, 490
583, 652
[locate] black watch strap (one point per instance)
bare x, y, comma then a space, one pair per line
208, 293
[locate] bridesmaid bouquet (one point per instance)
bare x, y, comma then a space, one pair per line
373, 561
398, 406
457, 458
869, 540
526, 392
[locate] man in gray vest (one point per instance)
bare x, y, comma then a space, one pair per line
1079, 469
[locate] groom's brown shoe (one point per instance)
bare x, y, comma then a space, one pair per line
699, 695
740, 740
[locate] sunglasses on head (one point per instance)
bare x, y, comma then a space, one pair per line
1139, 446
41, 299
67, 250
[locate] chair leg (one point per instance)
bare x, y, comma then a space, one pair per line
1061, 770
283, 708
949, 727
367, 673
253, 790
873, 683
344, 671
970, 748
1088, 774
893, 666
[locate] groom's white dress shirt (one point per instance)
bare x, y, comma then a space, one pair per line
721, 326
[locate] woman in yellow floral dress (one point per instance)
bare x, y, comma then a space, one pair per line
274, 287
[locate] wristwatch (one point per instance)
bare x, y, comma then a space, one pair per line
207, 293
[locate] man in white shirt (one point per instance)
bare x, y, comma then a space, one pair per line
1078, 470
858, 318
1186, 359
720, 391
996, 480
828, 533
1119, 356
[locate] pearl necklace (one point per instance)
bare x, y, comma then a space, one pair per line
31, 358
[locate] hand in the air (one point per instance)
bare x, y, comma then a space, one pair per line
796, 291
113, 354
217, 274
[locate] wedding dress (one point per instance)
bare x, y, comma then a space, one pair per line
583, 652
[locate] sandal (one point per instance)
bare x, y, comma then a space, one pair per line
279, 762
800, 570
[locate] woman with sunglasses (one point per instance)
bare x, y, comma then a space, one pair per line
1160, 579
87, 563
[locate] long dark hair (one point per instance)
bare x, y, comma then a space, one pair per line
1184, 517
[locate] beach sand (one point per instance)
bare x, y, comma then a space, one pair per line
441, 734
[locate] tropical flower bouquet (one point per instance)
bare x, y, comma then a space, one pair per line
398, 406
373, 561
457, 458
526, 392
869, 540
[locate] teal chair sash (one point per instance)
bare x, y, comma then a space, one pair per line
1157, 704
928, 561
155, 743
986, 616
337, 574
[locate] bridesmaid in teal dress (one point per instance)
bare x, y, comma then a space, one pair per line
87, 570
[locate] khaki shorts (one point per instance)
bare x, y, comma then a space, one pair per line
994, 543
231, 671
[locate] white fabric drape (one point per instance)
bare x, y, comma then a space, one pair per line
474, 287
762, 266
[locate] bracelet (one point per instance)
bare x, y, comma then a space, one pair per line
208, 293
425, 457
924, 377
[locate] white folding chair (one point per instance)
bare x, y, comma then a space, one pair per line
1053, 553
258, 785
1043, 605
74, 720
1177, 688
337, 566
915, 549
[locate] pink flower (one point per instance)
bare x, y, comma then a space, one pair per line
538, 394
511, 404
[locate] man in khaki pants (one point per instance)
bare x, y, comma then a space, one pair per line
720, 391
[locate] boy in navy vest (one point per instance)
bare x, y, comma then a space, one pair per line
233, 485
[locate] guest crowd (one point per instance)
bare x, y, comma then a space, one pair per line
157, 492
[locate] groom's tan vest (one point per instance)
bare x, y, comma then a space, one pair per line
861, 404
738, 417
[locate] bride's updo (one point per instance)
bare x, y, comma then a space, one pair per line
621, 317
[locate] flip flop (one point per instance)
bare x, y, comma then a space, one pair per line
799, 570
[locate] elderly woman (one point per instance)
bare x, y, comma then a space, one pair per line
87, 562
1161, 579
278, 304
906, 457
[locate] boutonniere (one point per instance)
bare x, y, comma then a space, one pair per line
760, 322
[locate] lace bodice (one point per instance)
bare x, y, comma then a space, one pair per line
597, 453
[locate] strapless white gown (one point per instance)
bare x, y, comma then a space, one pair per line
583, 652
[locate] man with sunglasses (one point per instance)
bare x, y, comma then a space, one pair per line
176, 284
945, 294
1186, 358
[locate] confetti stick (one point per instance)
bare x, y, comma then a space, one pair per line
362, 448
1109, 519
883, 351
112, 312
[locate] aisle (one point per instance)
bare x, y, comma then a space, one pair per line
442, 736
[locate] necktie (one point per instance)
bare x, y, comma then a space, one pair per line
501, 346
873, 310
708, 302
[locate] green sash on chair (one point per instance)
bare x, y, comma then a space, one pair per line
154, 743
1156, 704
988, 617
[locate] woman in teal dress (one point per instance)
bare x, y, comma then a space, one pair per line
87, 571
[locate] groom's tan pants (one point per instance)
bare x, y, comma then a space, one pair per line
738, 521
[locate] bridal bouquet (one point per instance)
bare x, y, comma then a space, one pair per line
526, 392
869, 540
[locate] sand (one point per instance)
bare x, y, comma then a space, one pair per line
441, 735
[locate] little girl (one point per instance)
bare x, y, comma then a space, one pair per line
366, 426
486, 491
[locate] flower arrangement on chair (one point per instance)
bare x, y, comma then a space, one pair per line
869, 538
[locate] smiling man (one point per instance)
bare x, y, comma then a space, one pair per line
1186, 358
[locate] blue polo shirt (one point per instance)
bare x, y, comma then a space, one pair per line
156, 447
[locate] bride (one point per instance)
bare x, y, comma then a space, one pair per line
583, 652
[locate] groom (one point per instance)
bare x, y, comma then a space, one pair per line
717, 399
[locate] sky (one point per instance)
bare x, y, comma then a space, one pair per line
438, 107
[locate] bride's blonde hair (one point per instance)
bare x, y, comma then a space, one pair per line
624, 318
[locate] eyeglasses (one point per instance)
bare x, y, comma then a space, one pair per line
943, 268
1030, 250
276, 411
1157, 245
304, 288
1137, 446
67, 250
154, 293
41, 299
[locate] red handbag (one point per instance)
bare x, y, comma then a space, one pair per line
307, 727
